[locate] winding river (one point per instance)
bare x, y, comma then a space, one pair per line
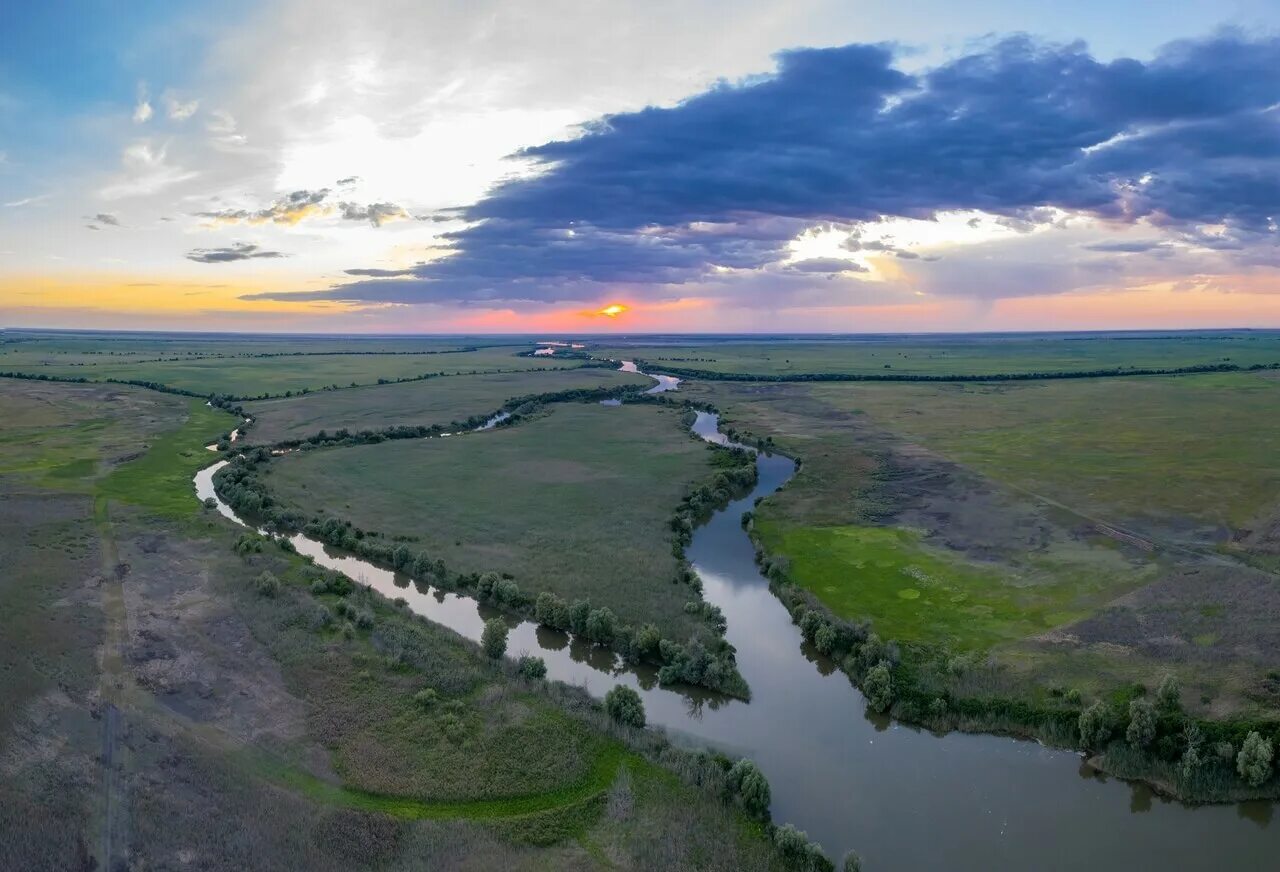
904, 798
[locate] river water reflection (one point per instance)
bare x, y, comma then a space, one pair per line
903, 798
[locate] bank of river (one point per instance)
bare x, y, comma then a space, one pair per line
903, 798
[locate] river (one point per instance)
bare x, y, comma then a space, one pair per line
904, 798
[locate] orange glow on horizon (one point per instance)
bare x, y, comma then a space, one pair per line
613, 310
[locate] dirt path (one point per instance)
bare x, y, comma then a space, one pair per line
113, 811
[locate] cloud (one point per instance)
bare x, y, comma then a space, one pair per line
178, 109
235, 251
376, 214
290, 209
146, 170
142, 110
1023, 130
825, 265
107, 218
379, 273
1133, 246
304, 204
26, 201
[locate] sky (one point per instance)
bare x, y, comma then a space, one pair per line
496, 166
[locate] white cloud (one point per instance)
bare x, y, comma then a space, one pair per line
146, 171
178, 109
142, 110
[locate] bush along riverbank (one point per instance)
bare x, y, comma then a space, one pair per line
1136, 732
706, 659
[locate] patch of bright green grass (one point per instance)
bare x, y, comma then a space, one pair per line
160, 479
913, 592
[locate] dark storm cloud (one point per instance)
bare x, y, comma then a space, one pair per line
379, 273
235, 251
840, 136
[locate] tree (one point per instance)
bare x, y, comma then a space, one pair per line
750, 787
506, 591
1169, 694
647, 640
578, 616
534, 668
600, 626
551, 611
1254, 760
878, 687
852, 862
494, 638
485, 585
1142, 723
625, 706
1095, 726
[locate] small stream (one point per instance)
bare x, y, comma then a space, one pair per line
904, 798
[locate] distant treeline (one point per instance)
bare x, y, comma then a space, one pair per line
222, 400
713, 375
245, 355
516, 408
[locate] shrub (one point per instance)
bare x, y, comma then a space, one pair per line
321, 617
534, 668
878, 687
798, 851
364, 619
485, 585
426, 698
647, 640
1142, 723
551, 611
852, 862
268, 585
506, 591
1094, 726
1254, 760
750, 787
625, 706
1169, 694
578, 613
600, 626
825, 638
1073, 696
494, 638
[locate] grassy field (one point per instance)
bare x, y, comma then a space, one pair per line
576, 502
160, 711
1084, 531
435, 401
955, 355
1178, 456
273, 376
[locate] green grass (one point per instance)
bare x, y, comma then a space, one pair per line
435, 401
160, 480
917, 593
576, 501
955, 355
1158, 452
